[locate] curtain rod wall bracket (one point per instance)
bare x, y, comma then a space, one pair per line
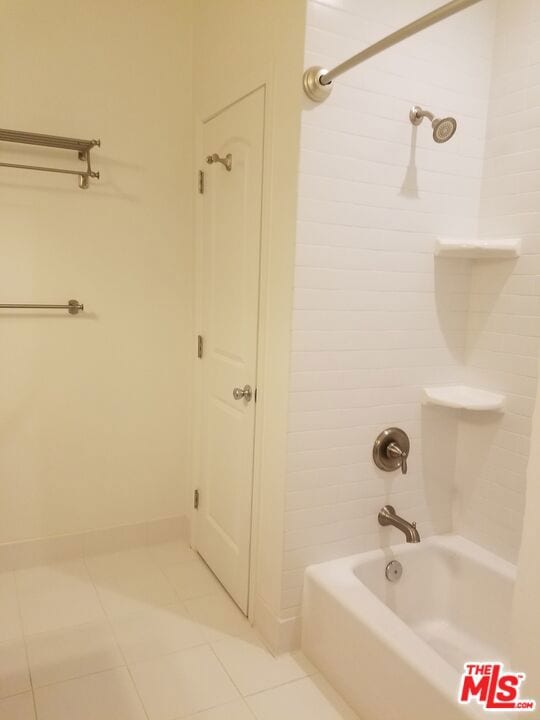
313, 86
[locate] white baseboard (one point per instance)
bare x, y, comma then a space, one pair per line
280, 634
62, 548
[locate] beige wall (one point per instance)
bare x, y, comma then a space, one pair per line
241, 45
94, 410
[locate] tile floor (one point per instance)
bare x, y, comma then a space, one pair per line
143, 634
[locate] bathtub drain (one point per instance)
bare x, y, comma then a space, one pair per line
394, 570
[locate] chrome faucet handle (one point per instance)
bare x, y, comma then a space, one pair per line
393, 450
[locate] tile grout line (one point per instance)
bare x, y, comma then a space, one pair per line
179, 602
109, 622
24, 641
241, 695
274, 657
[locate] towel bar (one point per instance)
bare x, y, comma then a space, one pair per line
73, 307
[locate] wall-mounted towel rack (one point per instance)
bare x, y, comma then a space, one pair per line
72, 306
81, 147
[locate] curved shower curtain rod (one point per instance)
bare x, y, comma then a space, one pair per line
318, 80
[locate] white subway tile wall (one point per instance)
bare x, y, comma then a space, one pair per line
376, 317
504, 320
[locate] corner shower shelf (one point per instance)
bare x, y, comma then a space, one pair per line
463, 397
474, 249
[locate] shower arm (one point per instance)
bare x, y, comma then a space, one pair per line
421, 114
318, 80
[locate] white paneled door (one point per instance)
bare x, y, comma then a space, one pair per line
230, 254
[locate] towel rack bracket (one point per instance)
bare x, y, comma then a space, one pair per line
74, 306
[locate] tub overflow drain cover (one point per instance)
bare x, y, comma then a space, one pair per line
394, 570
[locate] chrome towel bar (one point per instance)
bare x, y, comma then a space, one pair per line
73, 307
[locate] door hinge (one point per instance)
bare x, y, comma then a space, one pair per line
200, 346
196, 499
200, 183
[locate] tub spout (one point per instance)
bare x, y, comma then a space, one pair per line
388, 516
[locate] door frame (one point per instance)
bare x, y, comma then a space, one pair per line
239, 91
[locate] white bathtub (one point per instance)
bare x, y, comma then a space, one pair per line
396, 650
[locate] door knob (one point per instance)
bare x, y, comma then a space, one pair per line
246, 392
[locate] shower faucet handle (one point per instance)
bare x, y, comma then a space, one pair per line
391, 450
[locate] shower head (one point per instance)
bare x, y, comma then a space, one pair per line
443, 128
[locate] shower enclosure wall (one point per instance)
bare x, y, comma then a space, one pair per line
377, 317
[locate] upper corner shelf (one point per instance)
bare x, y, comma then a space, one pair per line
463, 397
81, 147
503, 248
